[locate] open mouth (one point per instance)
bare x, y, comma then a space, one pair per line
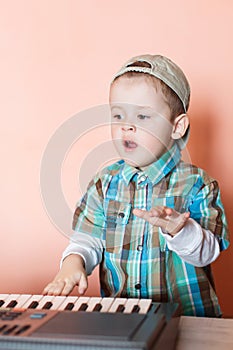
129, 145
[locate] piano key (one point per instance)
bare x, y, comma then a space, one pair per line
130, 304
74, 303
12, 303
67, 300
69, 306
22, 300
97, 307
120, 308
116, 303
83, 307
33, 305
44, 300
47, 305
92, 303
57, 301
34, 298
3, 297
7, 298
144, 305
79, 302
106, 304
135, 309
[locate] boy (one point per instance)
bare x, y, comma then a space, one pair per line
152, 222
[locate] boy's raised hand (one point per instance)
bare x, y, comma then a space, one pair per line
167, 218
72, 274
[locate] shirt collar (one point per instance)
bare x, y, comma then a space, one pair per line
157, 170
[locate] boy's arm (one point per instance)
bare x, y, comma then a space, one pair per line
88, 247
81, 256
184, 236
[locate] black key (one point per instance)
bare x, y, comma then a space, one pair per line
12, 303
33, 305
83, 307
135, 309
47, 305
69, 306
1, 302
120, 308
22, 329
97, 307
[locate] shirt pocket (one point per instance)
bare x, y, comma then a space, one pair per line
117, 216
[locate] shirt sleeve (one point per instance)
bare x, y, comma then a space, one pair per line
90, 249
205, 233
89, 217
206, 208
194, 244
89, 227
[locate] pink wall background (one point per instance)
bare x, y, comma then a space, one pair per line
57, 58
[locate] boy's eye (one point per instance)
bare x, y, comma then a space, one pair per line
117, 116
143, 117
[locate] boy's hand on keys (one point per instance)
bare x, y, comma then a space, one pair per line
168, 219
71, 274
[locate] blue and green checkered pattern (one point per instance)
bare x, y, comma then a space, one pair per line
136, 260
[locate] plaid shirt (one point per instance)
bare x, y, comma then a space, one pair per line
136, 261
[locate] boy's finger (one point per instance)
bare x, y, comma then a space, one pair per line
82, 286
139, 212
161, 211
185, 216
54, 288
143, 214
67, 289
156, 212
152, 218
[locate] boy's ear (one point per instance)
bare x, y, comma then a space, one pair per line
180, 126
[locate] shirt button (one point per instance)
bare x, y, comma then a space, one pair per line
121, 215
138, 286
142, 178
139, 248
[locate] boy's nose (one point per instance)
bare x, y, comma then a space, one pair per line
128, 127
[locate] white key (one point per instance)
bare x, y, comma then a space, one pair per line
92, 303
79, 302
144, 305
10, 298
116, 303
130, 303
57, 301
35, 297
67, 300
22, 300
45, 299
106, 304
4, 297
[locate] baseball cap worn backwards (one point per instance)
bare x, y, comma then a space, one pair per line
162, 68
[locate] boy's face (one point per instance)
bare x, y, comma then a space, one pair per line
141, 126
